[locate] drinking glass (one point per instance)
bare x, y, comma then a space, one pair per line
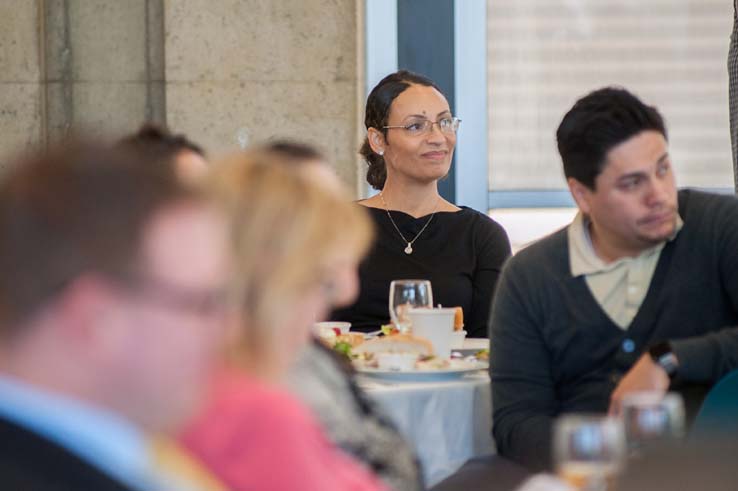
589, 450
648, 417
407, 294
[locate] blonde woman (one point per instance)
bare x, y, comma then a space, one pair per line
294, 242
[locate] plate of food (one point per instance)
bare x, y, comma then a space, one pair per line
478, 347
456, 370
408, 358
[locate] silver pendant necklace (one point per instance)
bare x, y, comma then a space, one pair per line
409, 248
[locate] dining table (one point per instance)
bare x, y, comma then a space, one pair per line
446, 418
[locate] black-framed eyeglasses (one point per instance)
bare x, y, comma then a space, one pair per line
421, 126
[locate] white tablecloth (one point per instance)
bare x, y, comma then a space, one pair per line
448, 422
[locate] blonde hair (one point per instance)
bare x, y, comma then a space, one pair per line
285, 228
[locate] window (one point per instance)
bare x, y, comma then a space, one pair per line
545, 54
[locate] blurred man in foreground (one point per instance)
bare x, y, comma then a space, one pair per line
111, 311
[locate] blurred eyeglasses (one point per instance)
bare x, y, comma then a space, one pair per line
204, 302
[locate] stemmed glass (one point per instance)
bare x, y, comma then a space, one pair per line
649, 417
589, 450
407, 294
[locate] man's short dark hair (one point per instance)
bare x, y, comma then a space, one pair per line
598, 122
292, 151
75, 209
158, 143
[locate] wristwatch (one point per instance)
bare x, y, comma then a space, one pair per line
664, 357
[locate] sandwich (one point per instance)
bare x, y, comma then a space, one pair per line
397, 343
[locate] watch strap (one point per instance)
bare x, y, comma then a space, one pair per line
662, 355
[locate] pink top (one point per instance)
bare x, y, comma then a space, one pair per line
258, 438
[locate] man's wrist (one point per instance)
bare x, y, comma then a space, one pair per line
663, 356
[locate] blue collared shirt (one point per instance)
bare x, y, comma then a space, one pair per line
98, 436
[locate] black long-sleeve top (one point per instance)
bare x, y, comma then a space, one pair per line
461, 253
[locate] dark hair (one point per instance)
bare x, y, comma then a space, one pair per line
377, 111
292, 151
598, 122
77, 208
158, 144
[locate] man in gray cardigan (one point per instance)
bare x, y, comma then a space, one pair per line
640, 292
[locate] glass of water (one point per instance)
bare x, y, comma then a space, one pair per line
650, 416
589, 450
407, 294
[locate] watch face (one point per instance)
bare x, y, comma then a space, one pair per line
668, 362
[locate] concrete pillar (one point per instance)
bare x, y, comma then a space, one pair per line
21, 94
279, 68
93, 66
103, 64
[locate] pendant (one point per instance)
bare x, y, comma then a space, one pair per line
409, 249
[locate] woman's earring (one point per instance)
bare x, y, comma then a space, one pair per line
381, 152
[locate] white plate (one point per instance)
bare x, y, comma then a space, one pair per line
472, 346
476, 343
454, 372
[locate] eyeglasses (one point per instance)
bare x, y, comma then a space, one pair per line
447, 125
202, 302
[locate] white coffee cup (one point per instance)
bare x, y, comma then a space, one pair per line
435, 325
457, 339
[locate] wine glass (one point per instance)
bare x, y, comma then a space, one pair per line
407, 294
589, 450
648, 417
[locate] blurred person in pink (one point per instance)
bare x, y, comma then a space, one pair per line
325, 380
297, 245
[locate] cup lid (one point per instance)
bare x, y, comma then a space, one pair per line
434, 311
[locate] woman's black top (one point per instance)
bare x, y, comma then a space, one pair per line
461, 253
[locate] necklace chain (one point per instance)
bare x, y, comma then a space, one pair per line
409, 248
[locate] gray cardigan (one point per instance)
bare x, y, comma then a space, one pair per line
353, 421
554, 350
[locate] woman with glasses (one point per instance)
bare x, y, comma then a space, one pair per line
411, 136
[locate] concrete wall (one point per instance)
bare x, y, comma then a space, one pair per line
103, 65
110, 65
209, 69
93, 65
21, 94
276, 68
